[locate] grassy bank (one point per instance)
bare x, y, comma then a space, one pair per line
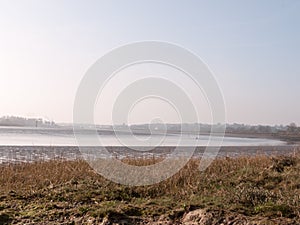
244, 190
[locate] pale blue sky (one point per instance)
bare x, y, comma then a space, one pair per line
253, 48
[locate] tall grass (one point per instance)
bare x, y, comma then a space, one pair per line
257, 185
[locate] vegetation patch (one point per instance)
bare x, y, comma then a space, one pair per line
232, 190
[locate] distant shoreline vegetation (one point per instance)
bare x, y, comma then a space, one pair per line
15, 121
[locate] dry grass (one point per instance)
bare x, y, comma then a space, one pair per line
61, 191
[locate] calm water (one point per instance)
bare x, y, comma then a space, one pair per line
11, 136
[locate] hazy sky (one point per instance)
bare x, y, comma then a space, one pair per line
253, 48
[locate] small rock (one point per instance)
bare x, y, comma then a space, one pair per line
199, 216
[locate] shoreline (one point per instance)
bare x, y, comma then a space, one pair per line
17, 154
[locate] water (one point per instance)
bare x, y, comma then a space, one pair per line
35, 144
13, 136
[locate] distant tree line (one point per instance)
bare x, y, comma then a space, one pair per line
25, 122
234, 128
255, 129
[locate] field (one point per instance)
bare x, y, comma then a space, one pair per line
242, 190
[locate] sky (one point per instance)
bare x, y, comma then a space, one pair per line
252, 48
